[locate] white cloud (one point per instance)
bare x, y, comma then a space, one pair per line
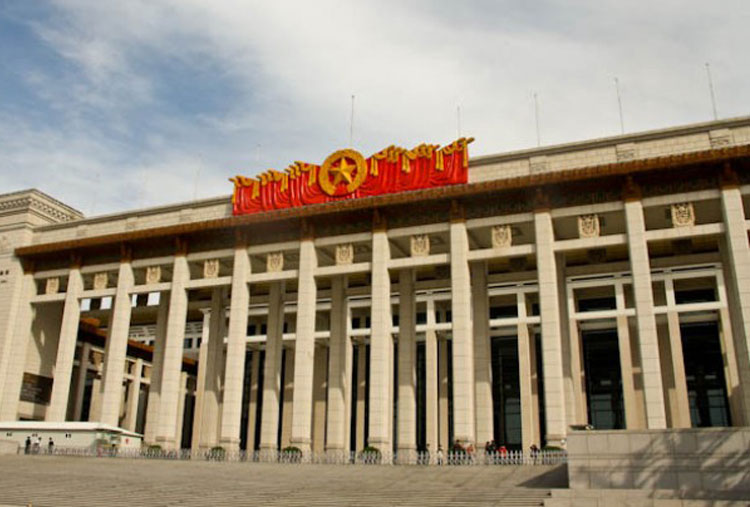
292, 66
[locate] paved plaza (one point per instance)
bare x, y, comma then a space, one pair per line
59, 481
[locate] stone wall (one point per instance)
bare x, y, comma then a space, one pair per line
689, 460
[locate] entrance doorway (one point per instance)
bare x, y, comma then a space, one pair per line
603, 379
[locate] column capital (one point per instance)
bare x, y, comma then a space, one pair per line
180, 246
76, 260
728, 177
631, 191
379, 222
240, 238
541, 201
126, 252
307, 230
28, 266
457, 212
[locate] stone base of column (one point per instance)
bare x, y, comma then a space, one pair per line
230, 444
556, 441
167, 444
407, 456
337, 455
303, 445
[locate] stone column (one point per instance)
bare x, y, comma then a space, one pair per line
252, 409
304, 346
339, 371
407, 368
153, 408
83, 367
443, 394
549, 306
134, 394
361, 392
482, 354
737, 252
117, 345
731, 373
288, 399
528, 431
626, 364
535, 422
181, 409
269, 429
173, 351
320, 387
679, 405
200, 381
644, 310
16, 344
66, 348
463, 329
211, 399
234, 371
432, 419
381, 343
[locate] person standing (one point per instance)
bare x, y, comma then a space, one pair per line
27, 446
50, 446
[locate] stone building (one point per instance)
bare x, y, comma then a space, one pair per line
600, 283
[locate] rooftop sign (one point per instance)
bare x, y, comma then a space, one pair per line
346, 174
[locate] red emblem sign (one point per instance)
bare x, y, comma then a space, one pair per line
346, 174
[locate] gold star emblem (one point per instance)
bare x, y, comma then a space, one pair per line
343, 172
343, 166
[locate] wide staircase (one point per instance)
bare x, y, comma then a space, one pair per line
60, 481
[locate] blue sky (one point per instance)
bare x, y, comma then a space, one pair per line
110, 106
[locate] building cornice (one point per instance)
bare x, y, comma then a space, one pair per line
632, 167
35, 201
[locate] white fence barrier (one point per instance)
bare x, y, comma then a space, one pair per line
480, 458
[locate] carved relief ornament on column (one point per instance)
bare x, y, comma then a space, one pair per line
344, 254
100, 281
153, 275
588, 226
502, 236
420, 245
52, 285
683, 214
211, 268
275, 262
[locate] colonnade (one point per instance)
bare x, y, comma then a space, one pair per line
326, 402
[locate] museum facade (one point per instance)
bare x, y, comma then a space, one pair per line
403, 301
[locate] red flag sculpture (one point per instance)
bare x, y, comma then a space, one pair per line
346, 174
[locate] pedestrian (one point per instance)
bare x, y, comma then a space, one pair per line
35, 445
50, 446
534, 452
27, 446
440, 456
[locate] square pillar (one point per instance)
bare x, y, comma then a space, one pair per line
173, 351
630, 404
17, 337
117, 346
83, 368
482, 354
463, 339
528, 431
212, 372
549, 307
269, 429
320, 386
234, 371
66, 348
407, 368
153, 408
134, 395
381, 345
644, 310
304, 346
737, 253
339, 371
679, 404
252, 408
432, 414
287, 401
361, 386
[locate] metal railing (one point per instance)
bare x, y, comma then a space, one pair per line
461, 458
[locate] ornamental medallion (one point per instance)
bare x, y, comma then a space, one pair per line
344, 254
502, 236
588, 226
683, 214
153, 275
342, 173
100, 281
52, 285
275, 262
211, 268
420, 245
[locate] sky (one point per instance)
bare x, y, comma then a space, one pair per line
113, 106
